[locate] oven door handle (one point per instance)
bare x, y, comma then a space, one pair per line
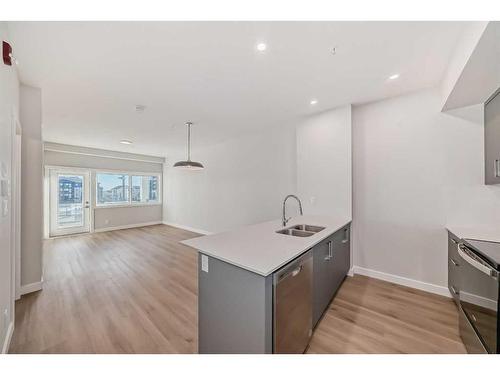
464, 253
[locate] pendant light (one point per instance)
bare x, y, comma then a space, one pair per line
188, 164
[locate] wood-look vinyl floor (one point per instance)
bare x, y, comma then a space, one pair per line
135, 291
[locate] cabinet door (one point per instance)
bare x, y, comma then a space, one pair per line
492, 140
453, 268
340, 261
322, 279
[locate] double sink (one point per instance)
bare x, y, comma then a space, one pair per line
301, 230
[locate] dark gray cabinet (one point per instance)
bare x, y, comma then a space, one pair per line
239, 310
331, 262
453, 264
492, 140
323, 278
340, 257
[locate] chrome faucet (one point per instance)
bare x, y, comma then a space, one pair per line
285, 220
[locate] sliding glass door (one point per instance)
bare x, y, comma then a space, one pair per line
69, 202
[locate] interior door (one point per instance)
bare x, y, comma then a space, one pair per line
69, 202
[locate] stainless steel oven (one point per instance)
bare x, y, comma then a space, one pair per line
479, 292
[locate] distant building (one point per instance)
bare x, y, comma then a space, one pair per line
100, 193
136, 193
70, 189
153, 189
118, 193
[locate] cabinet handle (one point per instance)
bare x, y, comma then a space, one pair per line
346, 235
329, 256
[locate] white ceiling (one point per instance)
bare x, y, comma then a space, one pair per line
92, 74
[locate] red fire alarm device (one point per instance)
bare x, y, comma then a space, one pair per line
7, 52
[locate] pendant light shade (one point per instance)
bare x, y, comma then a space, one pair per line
188, 164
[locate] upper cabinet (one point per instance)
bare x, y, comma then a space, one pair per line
492, 140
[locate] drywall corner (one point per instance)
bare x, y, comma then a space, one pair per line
31, 185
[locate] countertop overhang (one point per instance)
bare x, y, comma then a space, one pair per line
259, 249
478, 232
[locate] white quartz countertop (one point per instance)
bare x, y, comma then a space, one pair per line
482, 233
258, 248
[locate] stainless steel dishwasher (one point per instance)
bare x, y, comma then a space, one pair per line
292, 287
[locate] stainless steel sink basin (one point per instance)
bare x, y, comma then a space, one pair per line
308, 228
295, 232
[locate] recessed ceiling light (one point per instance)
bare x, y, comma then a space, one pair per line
314, 101
126, 142
261, 47
394, 76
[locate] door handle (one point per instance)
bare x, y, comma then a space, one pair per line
292, 273
296, 271
467, 255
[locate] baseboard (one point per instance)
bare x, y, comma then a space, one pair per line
8, 338
416, 284
185, 227
128, 226
30, 288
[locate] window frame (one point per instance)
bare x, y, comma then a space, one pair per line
128, 203
148, 203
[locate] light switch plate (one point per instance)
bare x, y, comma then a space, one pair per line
4, 188
204, 263
5, 207
3, 169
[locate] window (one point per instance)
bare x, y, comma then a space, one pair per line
112, 188
127, 189
144, 189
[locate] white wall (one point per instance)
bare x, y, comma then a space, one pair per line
31, 186
9, 105
121, 217
324, 163
415, 169
244, 181
97, 162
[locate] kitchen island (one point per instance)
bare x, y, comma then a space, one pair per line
238, 276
